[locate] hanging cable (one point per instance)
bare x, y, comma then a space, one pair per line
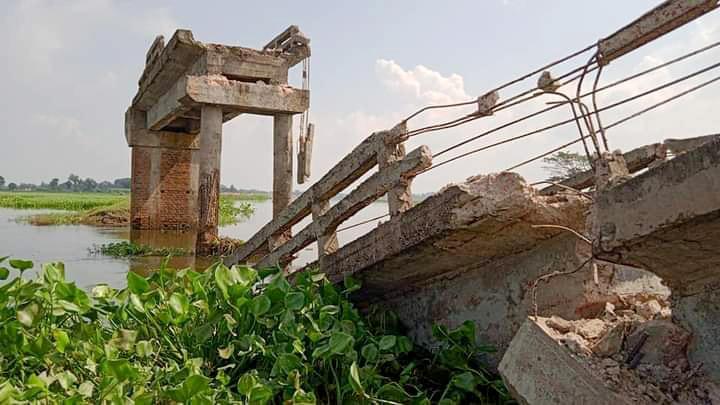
608, 107
558, 124
510, 83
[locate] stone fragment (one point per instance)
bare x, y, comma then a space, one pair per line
591, 328
559, 324
611, 343
575, 343
649, 310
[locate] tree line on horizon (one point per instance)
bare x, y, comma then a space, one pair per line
74, 183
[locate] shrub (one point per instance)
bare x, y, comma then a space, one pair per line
227, 335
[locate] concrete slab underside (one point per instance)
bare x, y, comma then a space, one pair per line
470, 252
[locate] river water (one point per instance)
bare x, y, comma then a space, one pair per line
71, 244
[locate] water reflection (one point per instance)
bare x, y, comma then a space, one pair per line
71, 243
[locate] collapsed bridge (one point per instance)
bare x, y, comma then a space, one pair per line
493, 249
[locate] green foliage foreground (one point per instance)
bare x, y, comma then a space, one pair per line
227, 335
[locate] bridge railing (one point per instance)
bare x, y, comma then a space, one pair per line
273, 244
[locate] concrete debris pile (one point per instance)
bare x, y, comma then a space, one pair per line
632, 352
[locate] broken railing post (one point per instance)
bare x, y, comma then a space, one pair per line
327, 241
211, 119
390, 151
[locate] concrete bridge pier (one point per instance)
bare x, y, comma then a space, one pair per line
187, 90
209, 184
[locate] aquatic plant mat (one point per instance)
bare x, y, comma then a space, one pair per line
226, 335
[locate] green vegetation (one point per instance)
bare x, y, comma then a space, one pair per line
129, 249
228, 335
106, 209
59, 201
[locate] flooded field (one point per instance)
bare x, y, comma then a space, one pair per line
71, 244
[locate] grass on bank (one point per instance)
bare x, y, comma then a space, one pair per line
227, 335
125, 248
106, 209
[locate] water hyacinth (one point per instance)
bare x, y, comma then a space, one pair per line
226, 335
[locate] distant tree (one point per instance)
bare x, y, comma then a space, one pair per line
122, 182
105, 185
54, 183
75, 182
565, 164
2, 181
89, 185
12, 186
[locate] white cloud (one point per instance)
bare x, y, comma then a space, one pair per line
422, 83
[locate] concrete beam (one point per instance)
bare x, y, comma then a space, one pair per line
190, 92
247, 97
166, 68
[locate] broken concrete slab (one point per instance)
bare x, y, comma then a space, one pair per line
667, 220
537, 371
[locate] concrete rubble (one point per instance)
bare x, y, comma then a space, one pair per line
631, 353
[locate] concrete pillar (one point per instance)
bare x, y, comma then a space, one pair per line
282, 170
209, 189
282, 162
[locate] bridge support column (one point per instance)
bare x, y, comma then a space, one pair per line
282, 169
164, 182
211, 120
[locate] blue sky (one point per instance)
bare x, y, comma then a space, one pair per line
72, 69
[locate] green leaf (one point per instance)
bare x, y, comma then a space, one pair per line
226, 352
260, 305
61, 340
341, 343
369, 352
393, 392
301, 397
465, 381
179, 303
137, 283
4, 273
246, 275
28, 314
387, 342
21, 265
66, 379
294, 300
86, 389
350, 284
246, 383
355, 379
144, 348
121, 370
289, 362
260, 394
194, 385
53, 272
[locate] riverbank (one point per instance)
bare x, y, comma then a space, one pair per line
107, 209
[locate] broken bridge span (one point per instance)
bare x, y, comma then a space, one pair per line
474, 250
